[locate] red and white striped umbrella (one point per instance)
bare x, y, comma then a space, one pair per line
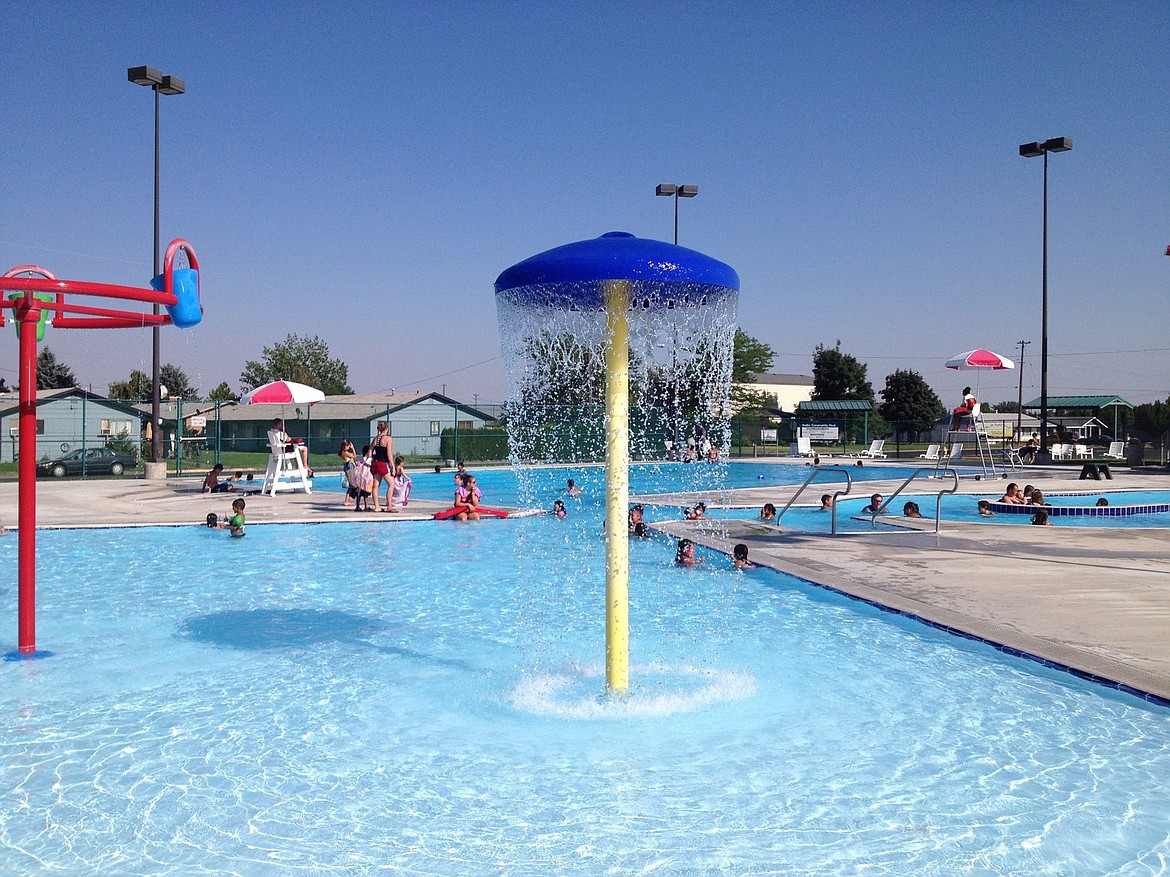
283, 393
979, 359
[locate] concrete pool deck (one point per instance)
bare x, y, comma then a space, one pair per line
1093, 599
130, 502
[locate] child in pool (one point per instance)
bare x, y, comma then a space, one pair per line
739, 556
559, 508
685, 555
236, 522
634, 518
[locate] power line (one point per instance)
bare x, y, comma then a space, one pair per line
21, 246
445, 374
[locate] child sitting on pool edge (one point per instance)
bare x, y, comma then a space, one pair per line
212, 484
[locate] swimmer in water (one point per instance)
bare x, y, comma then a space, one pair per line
236, 522
739, 556
685, 555
634, 517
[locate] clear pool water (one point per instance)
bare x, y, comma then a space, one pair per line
352, 699
540, 486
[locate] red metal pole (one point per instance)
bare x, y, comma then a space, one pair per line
27, 313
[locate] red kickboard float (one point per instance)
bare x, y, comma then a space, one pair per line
454, 510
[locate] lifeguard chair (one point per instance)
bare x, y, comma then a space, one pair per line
977, 429
286, 470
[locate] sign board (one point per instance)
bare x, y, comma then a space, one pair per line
821, 432
769, 435
198, 420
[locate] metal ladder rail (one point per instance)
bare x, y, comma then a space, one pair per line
954, 488
913, 475
813, 477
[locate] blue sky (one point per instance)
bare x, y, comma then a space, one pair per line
363, 172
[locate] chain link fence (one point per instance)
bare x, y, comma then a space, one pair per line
84, 435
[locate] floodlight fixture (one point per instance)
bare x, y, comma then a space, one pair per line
686, 190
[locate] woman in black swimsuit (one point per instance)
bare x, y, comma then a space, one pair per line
382, 449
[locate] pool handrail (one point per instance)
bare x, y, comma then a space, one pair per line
813, 477
938, 498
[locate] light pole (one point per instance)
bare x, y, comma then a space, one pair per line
159, 84
1020, 398
1032, 150
687, 190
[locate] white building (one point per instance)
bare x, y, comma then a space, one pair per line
783, 391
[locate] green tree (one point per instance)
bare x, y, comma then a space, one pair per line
52, 374
1003, 407
223, 393
910, 404
177, 383
1151, 420
304, 360
838, 376
139, 385
136, 387
750, 357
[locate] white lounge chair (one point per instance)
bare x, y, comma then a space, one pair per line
932, 452
1116, 451
955, 454
802, 447
286, 470
1083, 452
1058, 452
875, 450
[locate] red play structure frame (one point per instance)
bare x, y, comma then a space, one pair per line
26, 312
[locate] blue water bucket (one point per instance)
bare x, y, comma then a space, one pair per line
187, 311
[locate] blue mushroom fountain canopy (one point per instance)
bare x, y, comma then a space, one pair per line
573, 275
554, 336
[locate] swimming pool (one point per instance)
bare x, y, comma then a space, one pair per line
363, 698
1142, 509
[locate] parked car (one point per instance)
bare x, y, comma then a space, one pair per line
96, 461
1097, 441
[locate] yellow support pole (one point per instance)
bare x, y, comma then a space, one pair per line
617, 486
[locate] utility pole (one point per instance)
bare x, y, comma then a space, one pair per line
1020, 400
